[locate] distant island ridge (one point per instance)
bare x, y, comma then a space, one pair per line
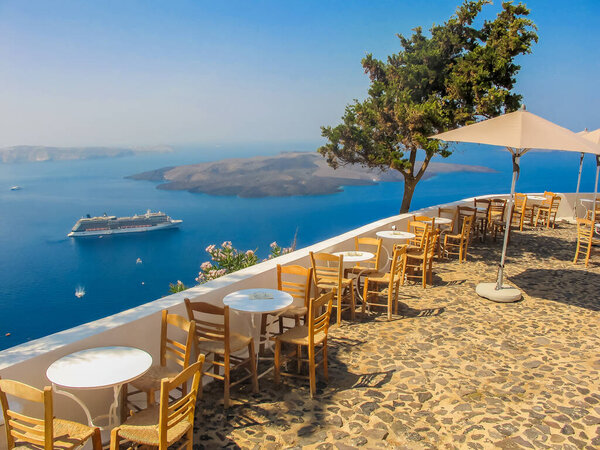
39, 153
283, 175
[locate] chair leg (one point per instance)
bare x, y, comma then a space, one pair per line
115, 439
226, 381
97, 439
312, 375
190, 439
299, 358
276, 362
397, 287
253, 364
124, 402
365, 296
150, 397
352, 301
325, 368
263, 332
339, 307
390, 301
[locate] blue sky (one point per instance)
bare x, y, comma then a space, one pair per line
181, 72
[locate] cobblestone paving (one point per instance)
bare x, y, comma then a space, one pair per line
451, 371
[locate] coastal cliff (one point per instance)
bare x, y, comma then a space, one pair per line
286, 174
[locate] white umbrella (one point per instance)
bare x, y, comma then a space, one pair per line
519, 132
582, 134
593, 136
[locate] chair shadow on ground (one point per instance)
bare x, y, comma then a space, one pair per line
569, 286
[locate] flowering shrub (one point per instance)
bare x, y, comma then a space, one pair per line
227, 259
177, 287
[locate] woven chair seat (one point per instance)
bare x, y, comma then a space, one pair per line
299, 336
142, 428
363, 270
293, 311
382, 278
236, 342
331, 283
67, 435
151, 379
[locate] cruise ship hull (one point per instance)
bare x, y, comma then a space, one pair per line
140, 229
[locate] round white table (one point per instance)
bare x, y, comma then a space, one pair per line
259, 301
396, 235
443, 221
352, 256
536, 198
98, 368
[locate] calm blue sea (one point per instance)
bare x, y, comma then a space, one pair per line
40, 268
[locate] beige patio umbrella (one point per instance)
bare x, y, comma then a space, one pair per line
594, 137
519, 132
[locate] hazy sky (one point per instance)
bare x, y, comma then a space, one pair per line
146, 72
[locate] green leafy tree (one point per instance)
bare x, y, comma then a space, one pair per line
458, 74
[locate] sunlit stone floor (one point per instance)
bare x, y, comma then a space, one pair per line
451, 371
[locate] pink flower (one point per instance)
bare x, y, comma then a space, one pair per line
250, 253
273, 244
227, 245
221, 272
210, 248
206, 265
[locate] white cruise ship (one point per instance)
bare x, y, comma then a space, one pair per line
106, 225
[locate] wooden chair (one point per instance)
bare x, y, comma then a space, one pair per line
482, 206
547, 210
327, 273
393, 279
313, 336
296, 281
170, 422
458, 244
465, 211
419, 229
422, 259
215, 337
521, 210
25, 432
367, 244
450, 213
497, 216
178, 353
585, 239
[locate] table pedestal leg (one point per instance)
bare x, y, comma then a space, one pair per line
76, 400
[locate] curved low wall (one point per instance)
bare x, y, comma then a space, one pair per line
140, 327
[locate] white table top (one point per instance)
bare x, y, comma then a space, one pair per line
100, 367
391, 234
258, 300
587, 200
536, 198
443, 221
355, 256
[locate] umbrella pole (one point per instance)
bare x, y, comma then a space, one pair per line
578, 184
596, 190
515, 157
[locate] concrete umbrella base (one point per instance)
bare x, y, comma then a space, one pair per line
507, 294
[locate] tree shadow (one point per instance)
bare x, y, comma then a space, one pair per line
569, 286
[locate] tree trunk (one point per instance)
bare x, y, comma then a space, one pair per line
409, 190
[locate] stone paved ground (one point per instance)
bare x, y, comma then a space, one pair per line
452, 371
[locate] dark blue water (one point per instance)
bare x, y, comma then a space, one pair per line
40, 267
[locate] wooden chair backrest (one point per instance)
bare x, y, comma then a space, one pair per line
216, 329
481, 203
465, 211
520, 202
372, 245
450, 213
497, 208
555, 203
318, 321
549, 197
419, 229
466, 227
430, 243
398, 262
20, 427
181, 409
327, 268
296, 281
171, 349
585, 230
430, 220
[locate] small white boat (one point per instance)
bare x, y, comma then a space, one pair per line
138, 261
16, 188
79, 292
